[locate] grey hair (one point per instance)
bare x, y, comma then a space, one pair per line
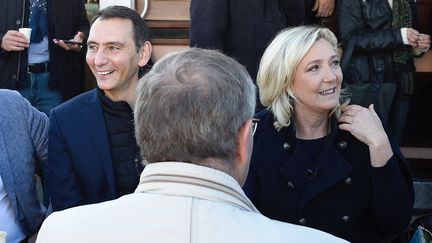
278, 67
191, 105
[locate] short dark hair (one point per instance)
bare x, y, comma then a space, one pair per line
141, 32
190, 107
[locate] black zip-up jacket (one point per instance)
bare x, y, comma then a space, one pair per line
366, 25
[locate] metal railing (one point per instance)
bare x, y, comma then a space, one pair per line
145, 9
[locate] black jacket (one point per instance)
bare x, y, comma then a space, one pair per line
241, 29
14, 15
66, 67
340, 192
366, 27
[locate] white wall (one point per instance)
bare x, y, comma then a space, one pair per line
105, 3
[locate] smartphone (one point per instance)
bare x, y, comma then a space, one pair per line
70, 42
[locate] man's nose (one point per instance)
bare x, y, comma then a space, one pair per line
100, 58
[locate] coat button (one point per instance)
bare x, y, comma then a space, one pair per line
311, 174
18, 22
14, 76
342, 144
290, 185
348, 180
302, 221
286, 146
346, 218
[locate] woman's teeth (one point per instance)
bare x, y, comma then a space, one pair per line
327, 92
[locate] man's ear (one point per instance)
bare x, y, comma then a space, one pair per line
242, 154
145, 54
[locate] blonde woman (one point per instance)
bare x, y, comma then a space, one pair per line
317, 161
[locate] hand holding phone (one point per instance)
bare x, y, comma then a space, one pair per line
75, 44
71, 42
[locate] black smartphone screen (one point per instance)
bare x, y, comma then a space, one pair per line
70, 42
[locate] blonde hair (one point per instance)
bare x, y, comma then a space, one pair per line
278, 67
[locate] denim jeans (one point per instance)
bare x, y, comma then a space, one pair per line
39, 94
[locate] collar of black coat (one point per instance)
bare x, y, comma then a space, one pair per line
312, 176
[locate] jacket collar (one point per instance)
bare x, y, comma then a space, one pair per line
95, 123
329, 169
191, 180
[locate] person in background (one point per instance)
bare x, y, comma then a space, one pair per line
243, 28
316, 11
317, 161
23, 144
382, 44
45, 70
93, 156
193, 119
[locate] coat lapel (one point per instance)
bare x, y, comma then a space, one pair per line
314, 177
94, 120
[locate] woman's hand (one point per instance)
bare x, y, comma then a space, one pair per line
364, 124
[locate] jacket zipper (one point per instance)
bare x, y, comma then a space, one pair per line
137, 166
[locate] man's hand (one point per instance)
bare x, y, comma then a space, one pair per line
79, 37
324, 8
413, 37
424, 42
14, 41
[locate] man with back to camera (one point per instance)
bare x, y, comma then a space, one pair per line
93, 156
193, 122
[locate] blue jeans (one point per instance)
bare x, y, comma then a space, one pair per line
39, 94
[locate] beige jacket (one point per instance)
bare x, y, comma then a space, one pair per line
176, 202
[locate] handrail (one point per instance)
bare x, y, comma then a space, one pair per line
144, 12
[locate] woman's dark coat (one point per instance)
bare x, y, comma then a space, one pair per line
340, 193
